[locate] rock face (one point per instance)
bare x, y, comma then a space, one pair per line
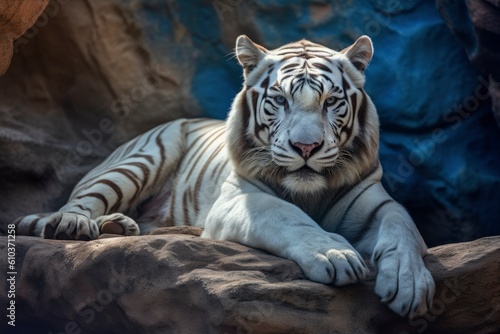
17, 17
179, 283
477, 25
92, 74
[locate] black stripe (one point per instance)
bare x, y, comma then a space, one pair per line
149, 158
200, 128
245, 114
195, 141
291, 46
322, 67
289, 66
384, 252
270, 70
83, 208
32, 228
349, 127
327, 157
162, 156
367, 223
299, 55
201, 149
144, 168
257, 127
265, 82
363, 113
129, 175
342, 220
221, 169
202, 173
148, 138
117, 190
126, 149
109, 183
345, 84
377, 209
341, 70
171, 211
185, 209
98, 196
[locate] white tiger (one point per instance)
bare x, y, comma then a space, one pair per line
294, 171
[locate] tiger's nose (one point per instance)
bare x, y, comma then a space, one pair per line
305, 150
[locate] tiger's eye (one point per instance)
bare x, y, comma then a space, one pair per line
280, 99
331, 100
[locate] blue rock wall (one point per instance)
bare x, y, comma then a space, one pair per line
439, 142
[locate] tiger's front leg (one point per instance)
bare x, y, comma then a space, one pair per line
248, 213
133, 172
403, 282
396, 247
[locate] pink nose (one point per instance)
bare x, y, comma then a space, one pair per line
306, 149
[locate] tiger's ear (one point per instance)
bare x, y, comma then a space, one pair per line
360, 53
248, 53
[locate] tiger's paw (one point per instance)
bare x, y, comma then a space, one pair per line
404, 284
117, 223
70, 226
329, 258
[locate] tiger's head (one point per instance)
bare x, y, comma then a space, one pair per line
302, 121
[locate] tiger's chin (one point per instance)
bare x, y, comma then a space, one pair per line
305, 182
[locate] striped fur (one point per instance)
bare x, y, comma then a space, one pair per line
294, 170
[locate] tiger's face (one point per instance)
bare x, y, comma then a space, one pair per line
303, 112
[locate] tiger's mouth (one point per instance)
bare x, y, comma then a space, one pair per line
305, 180
305, 171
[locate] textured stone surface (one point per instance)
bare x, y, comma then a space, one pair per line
17, 16
98, 72
183, 284
477, 25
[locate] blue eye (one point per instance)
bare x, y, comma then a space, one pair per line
330, 101
280, 99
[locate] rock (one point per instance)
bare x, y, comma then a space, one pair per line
477, 25
17, 17
180, 283
99, 72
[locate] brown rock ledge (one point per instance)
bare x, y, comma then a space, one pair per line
180, 283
